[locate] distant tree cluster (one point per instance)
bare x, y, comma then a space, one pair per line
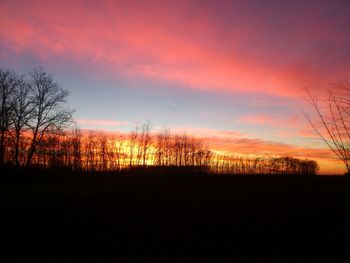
94, 151
263, 165
34, 132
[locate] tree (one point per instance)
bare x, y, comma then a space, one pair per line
133, 140
76, 142
21, 108
103, 151
330, 118
145, 141
8, 83
90, 152
49, 114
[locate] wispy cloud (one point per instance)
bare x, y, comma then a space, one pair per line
101, 123
273, 121
207, 132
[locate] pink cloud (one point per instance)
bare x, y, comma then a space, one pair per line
293, 121
308, 133
183, 43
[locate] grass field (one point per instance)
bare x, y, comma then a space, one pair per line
175, 218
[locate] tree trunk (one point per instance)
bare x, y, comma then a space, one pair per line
32, 149
17, 150
2, 149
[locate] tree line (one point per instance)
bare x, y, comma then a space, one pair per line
35, 133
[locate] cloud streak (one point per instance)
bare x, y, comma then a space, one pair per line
100, 123
273, 121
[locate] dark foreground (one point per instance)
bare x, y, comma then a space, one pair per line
175, 218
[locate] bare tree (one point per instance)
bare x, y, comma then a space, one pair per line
330, 118
22, 108
76, 142
119, 146
8, 82
49, 114
103, 152
146, 141
90, 151
161, 146
133, 140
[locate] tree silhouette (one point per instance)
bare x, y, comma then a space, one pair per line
133, 141
49, 114
330, 118
76, 148
22, 108
145, 141
8, 83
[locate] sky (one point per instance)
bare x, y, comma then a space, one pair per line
233, 72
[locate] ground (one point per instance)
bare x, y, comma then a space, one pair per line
144, 218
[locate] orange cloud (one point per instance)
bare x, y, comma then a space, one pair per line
255, 147
235, 142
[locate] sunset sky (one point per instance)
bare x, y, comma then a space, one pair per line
233, 72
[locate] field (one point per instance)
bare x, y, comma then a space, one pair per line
144, 218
